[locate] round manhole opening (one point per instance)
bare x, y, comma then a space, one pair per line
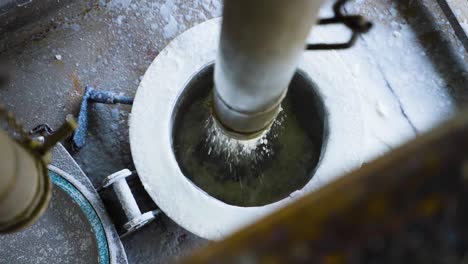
256, 172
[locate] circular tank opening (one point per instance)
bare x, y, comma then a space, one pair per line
256, 172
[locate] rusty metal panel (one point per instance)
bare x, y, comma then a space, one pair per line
410, 206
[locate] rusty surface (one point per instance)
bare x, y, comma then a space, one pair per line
409, 206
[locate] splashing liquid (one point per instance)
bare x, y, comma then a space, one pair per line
252, 172
238, 152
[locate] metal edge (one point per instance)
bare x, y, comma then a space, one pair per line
56, 175
62, 159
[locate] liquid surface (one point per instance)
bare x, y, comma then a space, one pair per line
244, 173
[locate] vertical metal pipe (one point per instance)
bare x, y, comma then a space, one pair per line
25, 187
261, 43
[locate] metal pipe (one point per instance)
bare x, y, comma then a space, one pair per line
24, 185
92, 95
136, 219
261, 43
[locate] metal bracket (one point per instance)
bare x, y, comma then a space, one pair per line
94, 96
136, 219
356, 23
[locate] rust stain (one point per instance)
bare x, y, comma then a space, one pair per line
378, 208
429, 206
77, 88
75, 94
334, 258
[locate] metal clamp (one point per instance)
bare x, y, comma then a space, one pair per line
136, 219
356, 23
